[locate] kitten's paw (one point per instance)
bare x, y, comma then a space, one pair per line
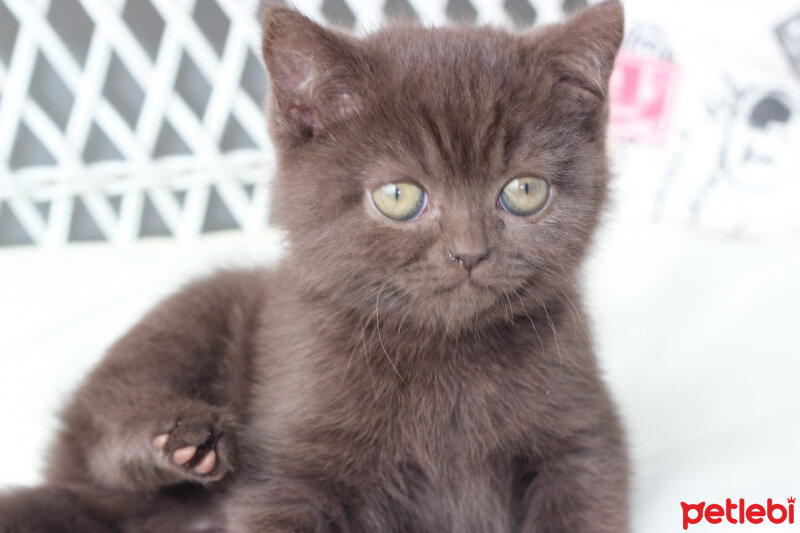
198, 446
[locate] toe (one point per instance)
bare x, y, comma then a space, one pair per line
160, 441
207, 464
184, 455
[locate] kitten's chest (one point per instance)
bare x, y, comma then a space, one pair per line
439, 449
450, 461
471, 407
463, 498
456, 421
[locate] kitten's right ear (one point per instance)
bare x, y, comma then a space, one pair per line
314, 72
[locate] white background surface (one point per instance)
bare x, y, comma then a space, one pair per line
698, 335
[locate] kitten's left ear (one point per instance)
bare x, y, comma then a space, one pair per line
314, 72
581, 51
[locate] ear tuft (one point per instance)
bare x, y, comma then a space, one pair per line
313, 72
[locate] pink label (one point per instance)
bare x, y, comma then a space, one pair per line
642, 91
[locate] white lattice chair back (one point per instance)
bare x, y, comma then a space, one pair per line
123, 119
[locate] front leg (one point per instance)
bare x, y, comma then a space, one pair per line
161, 408
585, 490
150, 439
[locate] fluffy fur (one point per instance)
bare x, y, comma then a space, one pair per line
370, 383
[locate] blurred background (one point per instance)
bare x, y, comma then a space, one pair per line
134, 156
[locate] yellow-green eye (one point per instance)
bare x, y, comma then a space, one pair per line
399, 201
524, 196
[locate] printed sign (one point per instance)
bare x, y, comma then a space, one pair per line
642, 91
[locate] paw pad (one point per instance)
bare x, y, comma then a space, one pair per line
196, 449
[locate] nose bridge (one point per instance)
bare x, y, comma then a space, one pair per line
466, 230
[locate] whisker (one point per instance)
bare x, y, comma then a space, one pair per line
510, 319
344, 309
555, 335
366, 359
380, 340
352, 353
533, 325
577, 314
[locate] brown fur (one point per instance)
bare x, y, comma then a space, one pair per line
359, 387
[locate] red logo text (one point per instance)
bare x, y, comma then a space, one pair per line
738, 512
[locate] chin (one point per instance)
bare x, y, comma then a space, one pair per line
467, 306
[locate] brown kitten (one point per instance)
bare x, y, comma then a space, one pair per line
426, 371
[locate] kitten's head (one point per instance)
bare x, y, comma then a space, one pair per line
440, 174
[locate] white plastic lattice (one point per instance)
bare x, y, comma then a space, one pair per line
121, 119
137, 175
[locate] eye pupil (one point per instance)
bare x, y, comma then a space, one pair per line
527, 188
397, 193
